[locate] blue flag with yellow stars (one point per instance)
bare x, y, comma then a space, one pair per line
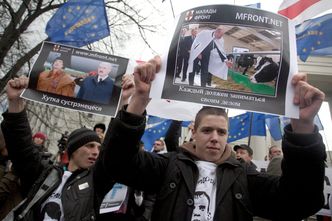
156, 128
78, 23
245, 125
313, 36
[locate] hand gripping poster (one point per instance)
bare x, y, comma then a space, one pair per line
76, 79
230, 56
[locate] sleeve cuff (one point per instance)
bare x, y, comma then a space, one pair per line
301, 139
129, 118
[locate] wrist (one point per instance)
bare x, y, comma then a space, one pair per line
137, 104
16, 106
302, 127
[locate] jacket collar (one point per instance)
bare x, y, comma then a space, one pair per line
191, 148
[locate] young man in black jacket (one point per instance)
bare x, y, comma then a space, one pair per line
203, 181
71, 193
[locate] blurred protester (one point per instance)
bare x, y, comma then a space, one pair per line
100, 130
10, 190
245, 153
3, 155
275, 157
39, 140
159, 146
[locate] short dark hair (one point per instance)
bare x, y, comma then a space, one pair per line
244, 147
206, 110
99, 125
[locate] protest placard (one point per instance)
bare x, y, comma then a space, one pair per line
77, 79
230, 56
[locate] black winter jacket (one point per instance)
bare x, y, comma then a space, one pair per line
241, 193
83, 191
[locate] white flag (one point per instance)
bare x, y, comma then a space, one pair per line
170, 109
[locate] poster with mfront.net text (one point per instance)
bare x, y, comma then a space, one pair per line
230, 56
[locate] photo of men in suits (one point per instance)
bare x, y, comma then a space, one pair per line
183, 56
98, 88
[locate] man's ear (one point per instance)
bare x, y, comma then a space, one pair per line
193, 134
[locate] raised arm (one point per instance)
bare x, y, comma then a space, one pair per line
121, 158
17, 133
298, 193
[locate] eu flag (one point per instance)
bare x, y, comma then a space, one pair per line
314, 35
273, 123
245, 125
78, 23
156, 128
276, 125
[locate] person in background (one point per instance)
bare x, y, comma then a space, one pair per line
56, 81
245, 153
275, 157
3, 155
100, 130
10, 187
205, 182
159, 146
274, 151
10, 191
39, 140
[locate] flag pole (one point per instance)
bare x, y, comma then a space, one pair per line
250, 127
172, 8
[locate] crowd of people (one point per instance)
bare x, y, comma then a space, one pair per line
202, 179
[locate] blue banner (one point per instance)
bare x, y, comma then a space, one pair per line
276, 125
78, 23
245, 125
156, 128
314, 37
273, 123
